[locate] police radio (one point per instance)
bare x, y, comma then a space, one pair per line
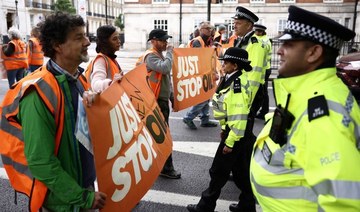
282, 121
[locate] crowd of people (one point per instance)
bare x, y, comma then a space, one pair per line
304, 159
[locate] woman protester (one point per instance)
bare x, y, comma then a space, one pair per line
104, 69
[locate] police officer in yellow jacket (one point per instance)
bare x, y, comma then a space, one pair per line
307, 156
231, 105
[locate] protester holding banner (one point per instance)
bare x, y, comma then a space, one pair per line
46, 117
104, 69
244, 20
204, 40
231, 105
159, 70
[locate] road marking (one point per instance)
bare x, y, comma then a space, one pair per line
207, 149
3, 174
182, 200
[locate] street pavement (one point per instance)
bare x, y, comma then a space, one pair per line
193, 154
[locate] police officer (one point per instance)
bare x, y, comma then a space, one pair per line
231, 104
307, 156
244, 21
260, 33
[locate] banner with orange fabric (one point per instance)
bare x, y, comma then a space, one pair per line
194, 72
131, 140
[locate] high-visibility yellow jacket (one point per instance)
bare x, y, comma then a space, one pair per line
231, 106
317, 169
268, 47
257, 56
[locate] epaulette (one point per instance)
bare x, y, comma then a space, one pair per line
317, 107
254, 40
237, 85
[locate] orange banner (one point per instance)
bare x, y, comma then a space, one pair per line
193, 76
131, 140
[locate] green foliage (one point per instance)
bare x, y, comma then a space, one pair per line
119, 22
64, 6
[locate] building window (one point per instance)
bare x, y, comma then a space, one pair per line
160, 1
32, 20
161, 24
200, 1
333, 1
257, 1
230, 1
287, 1
281, 25
347, 22
230, 25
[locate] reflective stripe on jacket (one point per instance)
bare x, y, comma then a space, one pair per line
12, 141
231, 106
318, 168
258, 58
36, 55
154, 77
112, 67
18, 59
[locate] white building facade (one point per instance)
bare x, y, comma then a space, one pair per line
141, 16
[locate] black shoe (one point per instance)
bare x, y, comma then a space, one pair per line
209, 124
192, 208
260, 116
190, 124
237, 208
172, 174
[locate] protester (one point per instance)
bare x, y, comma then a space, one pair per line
244, 20
307, 156
220, 34
14, 56
231, 104
34, 50
204, 40
260, 33
104, 69
47, 103
159, 70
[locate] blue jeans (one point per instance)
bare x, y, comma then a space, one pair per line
32, 68
202, 109
17, 74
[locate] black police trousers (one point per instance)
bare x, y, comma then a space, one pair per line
237, 162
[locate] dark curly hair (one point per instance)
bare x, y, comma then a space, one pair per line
55, 30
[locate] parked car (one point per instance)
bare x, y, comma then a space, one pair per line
92, 37
348, 69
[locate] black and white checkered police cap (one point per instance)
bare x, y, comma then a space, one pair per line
243, 13
306, 25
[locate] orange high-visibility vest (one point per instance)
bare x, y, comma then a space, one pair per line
112, 67
36, 56
12, 141
217, 34
18, 59
154, 77
232, 40
199, 38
